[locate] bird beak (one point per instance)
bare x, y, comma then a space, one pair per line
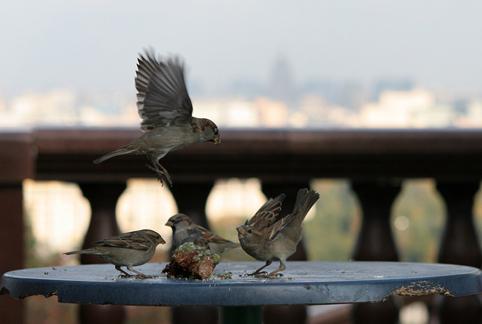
241, 230
216, 139
169, 223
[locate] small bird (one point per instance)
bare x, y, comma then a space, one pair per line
184, 230
267, 236
128, 250
165, 108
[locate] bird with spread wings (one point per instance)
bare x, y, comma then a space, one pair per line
165, 108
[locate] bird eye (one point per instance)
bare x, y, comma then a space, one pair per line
250, 231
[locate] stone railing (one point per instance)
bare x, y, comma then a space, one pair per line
375, 161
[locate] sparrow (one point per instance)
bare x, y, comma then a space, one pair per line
184, 230
165, 108
128, 250
267, 236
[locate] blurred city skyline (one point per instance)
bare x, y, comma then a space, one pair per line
249, 64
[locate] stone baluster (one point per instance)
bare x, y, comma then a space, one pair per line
103, 200
459, 245
16, 160
191, 200
375, 242
288, 313
11, 236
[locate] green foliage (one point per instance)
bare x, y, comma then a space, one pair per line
418, 220
331, 233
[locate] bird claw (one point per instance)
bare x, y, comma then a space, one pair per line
256, 273
162, 174
136, 276
265, 275
166, 177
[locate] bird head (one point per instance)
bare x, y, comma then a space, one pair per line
153, 236
209, 131
247, 232
177, 219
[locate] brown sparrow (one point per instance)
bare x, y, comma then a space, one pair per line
184, 230
128, 249
267, 236
166, 112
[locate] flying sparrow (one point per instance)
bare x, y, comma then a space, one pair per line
128, 249
184, 230
267, 236
166, 112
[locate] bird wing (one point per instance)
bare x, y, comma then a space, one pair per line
162, 97
279, 226
268, 214
204, 236
131, 240
305, 199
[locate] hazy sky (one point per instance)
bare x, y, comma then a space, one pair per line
92, 45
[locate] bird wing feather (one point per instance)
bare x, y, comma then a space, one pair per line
131, 240
279, 226
268, 214
162, 97
205, 236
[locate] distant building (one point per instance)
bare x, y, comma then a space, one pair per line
391, 84
281, 84
406, 109
349, 94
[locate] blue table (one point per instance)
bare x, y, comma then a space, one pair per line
309, 283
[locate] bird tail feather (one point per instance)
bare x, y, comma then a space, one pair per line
122, 151
305, 199
85, 251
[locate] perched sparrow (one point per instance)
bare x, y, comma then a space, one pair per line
128, 249
184, 230
166, 112
267, 236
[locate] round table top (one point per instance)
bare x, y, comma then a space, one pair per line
310, 283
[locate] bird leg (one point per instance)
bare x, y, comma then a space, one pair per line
165, 174
258, 271
138, 273
160, 170
124, 274
280, 268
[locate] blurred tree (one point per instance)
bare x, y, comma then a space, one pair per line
418, 218
332, 231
